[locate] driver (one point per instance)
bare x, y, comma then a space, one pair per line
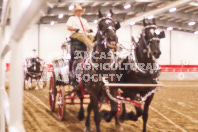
34, 54
79, 27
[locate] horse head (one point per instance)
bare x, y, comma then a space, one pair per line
107, 28
106, 40
152, 36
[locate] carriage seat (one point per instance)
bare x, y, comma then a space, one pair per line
77, 45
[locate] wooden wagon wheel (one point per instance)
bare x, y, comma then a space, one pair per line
61, 103
119, 106
52, 93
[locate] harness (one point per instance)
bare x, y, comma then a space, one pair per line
103, 33
148, 42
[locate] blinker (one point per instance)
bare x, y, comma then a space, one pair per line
162, 35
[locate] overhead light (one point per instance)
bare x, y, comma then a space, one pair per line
95, 21
127, 6
191, 23
71, 7
60, 16
172, 9
150, 17
170, 28
52, 23
196, 32
132, 23
109, 15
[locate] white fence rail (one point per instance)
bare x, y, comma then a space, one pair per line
23, 14
132, 85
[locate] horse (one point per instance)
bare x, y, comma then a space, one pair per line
147, 50
105, 44
34, 69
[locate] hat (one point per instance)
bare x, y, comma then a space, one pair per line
78, 7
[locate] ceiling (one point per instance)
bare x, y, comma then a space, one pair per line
178, 20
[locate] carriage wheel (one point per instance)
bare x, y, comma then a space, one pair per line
119, 107
61, 104
52, 93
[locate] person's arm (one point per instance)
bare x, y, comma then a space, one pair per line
71, 28
87, 27
70, 24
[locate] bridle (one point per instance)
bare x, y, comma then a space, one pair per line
149, 42
148, 51
103, 33
105, 42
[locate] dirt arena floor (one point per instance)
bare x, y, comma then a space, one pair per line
173, 109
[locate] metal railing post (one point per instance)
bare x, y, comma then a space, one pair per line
2, 81
2, 114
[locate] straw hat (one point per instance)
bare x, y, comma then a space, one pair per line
78, 7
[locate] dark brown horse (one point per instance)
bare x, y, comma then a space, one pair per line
147, 50
91, 78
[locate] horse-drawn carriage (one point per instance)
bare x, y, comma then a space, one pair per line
62, 90
35, 69
132, 85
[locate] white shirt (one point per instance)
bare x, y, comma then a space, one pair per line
74, 22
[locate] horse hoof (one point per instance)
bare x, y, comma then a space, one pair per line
132, 116
121, 119
105, 115
81, 116
119, 127
88, 129
36, 88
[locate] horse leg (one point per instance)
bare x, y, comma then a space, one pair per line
97, 117
145, 112
123, 114
81, 112
108, 115
29, 83
87, 123
37, 87
117, 124
134, 117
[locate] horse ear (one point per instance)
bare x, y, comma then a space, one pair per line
154, 22
111, 12
100, 14
117, 25
144, 22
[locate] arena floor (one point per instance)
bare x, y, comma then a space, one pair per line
173, 109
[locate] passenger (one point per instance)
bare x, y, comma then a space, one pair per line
79, 27
34, 54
